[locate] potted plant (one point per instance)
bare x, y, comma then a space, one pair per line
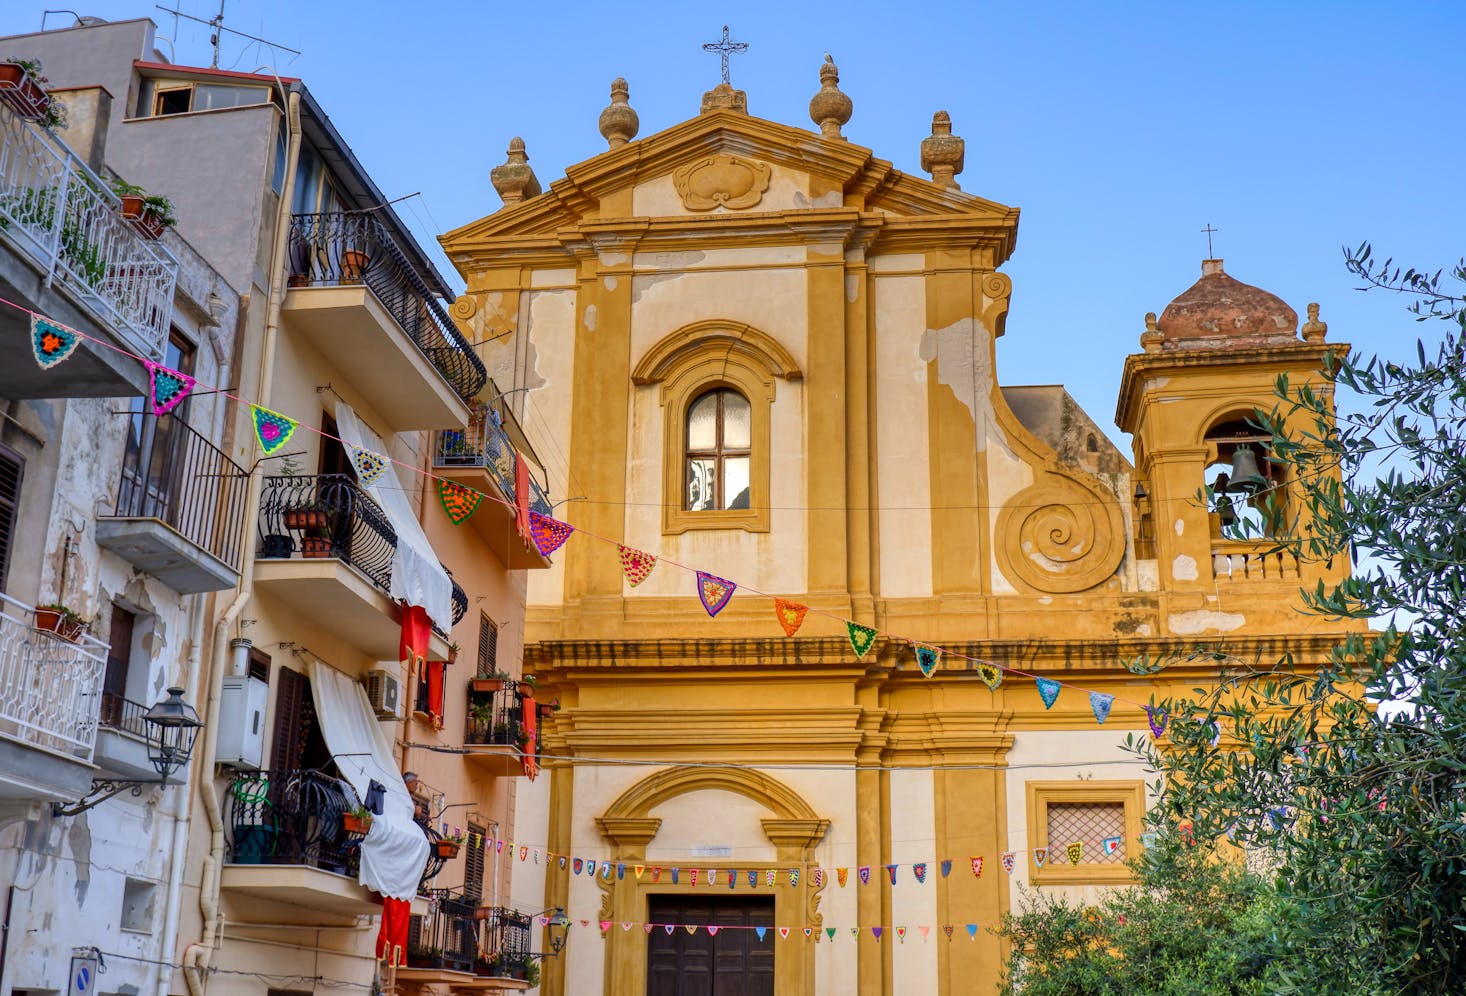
150, 214
61, 620
449, 846
490, 683
547, 709
452, 652
358, 820
316, 544
23, 87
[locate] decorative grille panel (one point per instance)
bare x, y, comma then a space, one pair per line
1089, 823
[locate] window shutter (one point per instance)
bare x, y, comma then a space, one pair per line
11, 466
473, 867
488, 646
289, 740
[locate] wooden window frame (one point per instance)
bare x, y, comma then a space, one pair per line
1056, 869
719, 453
10, 512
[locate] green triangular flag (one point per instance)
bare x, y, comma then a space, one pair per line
861, 638
991, 674
272, 429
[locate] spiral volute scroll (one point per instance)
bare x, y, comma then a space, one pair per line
1060, 535
464, 307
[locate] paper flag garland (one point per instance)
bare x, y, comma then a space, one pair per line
864, 873
627, 925
947, 928
1157, 718
808, 932
830, 933
925, 930
841, 874
790, 615
1039, 854
549, 534
369, 466
793, 876
1110, 844
590, 868
692, 873
891, 870
713, 929
459, 502
52, 343
927, 659
635, 564
769, 878
901, 934
861, 638
753, 880
760, 931
991, 674
1074, 850
1048, 690
714, 592
819, 878
919, 870
272, 429
783, 933
166, 387
876, 931
977, 867
638, 869
577, 865
1008, 858
1100, 703
972, 931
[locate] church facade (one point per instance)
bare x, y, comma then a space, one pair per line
761, 353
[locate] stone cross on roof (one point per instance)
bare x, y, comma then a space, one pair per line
725, 48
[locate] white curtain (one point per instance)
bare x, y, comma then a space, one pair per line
417, 577
395, 849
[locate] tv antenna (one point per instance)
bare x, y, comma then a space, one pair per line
217, 29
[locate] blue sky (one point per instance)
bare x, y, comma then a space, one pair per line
1119, 129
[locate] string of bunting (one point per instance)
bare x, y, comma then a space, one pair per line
52, 343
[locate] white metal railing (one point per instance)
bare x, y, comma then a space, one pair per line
50, 688
65, 217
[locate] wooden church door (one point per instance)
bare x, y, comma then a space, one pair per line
733, 962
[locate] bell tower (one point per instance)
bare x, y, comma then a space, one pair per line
1210, 360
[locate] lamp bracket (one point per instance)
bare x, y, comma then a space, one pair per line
105, 788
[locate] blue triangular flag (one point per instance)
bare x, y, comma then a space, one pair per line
926, 659
1048, 690
1100, 703
946, 868
972, 931
760, 931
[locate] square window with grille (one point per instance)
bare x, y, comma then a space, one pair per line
1089, 823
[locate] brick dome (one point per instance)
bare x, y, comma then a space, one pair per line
1219, 311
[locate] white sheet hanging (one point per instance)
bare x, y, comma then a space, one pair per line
395, 849
417, 577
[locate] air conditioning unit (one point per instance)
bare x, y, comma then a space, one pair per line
384, 692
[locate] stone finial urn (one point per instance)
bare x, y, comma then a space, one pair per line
515, 180
619, 123
830, 108
942, 152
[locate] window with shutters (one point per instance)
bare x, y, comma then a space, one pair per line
473, 862
11, 468
1097, 822
488, 646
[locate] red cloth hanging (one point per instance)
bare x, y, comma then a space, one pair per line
531, 715
521, 496
416, 630
435, 674
392, 935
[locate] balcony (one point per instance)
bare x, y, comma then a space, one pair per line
357, 299
180, 507
461, 944
326, 552
288, 859
1252, 562
481, 457
122, 747
505, 943
50, 691
495, 733
67, 253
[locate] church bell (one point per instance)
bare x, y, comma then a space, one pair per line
1246, 475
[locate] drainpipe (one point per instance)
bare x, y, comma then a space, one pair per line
197, 956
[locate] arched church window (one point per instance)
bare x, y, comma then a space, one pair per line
1245, 486
719, 438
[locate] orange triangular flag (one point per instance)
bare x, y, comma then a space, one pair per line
790, 615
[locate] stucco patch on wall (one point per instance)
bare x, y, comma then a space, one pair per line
961, 365
614, 258
852, 287
590, 317
829, 199
1201, 620
609, 282
1180, 526
1183, 568
643, 282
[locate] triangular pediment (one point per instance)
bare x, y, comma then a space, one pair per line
724, 165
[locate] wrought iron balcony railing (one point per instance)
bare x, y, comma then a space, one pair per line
504, 944
172, 473
50, 687
289, 816
340, 248
61, 214
326, 515
484, 443
496, 718
123, 714
447, 937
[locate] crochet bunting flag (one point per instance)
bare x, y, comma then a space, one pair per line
830, 933
1100, 703
876, 932
1008, 858
901, 934
864, 872
52, 343
1110, 845
861, 638
636, 564
927, 659
166, 387
1074, 850
549, 534
790, 615
753, 880
459, 502
946, 868
808, 932
783, 933
818, 875
991, 674
714, 592
1157, 718
272, 429
1039, 854
891, 870
793, 876
977, 867
947, 929
919, 870
1048, 690
841, 875
369, 466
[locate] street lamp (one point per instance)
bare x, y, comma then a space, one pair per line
559, 921
170, 727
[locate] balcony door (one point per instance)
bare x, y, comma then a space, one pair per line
153, 461
733, 962
298, 743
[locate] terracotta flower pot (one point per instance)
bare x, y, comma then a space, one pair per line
52, 621
151, 225
446, 848
132, 206
23, 94
353, 264
487, 684
315, 547
352, 823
